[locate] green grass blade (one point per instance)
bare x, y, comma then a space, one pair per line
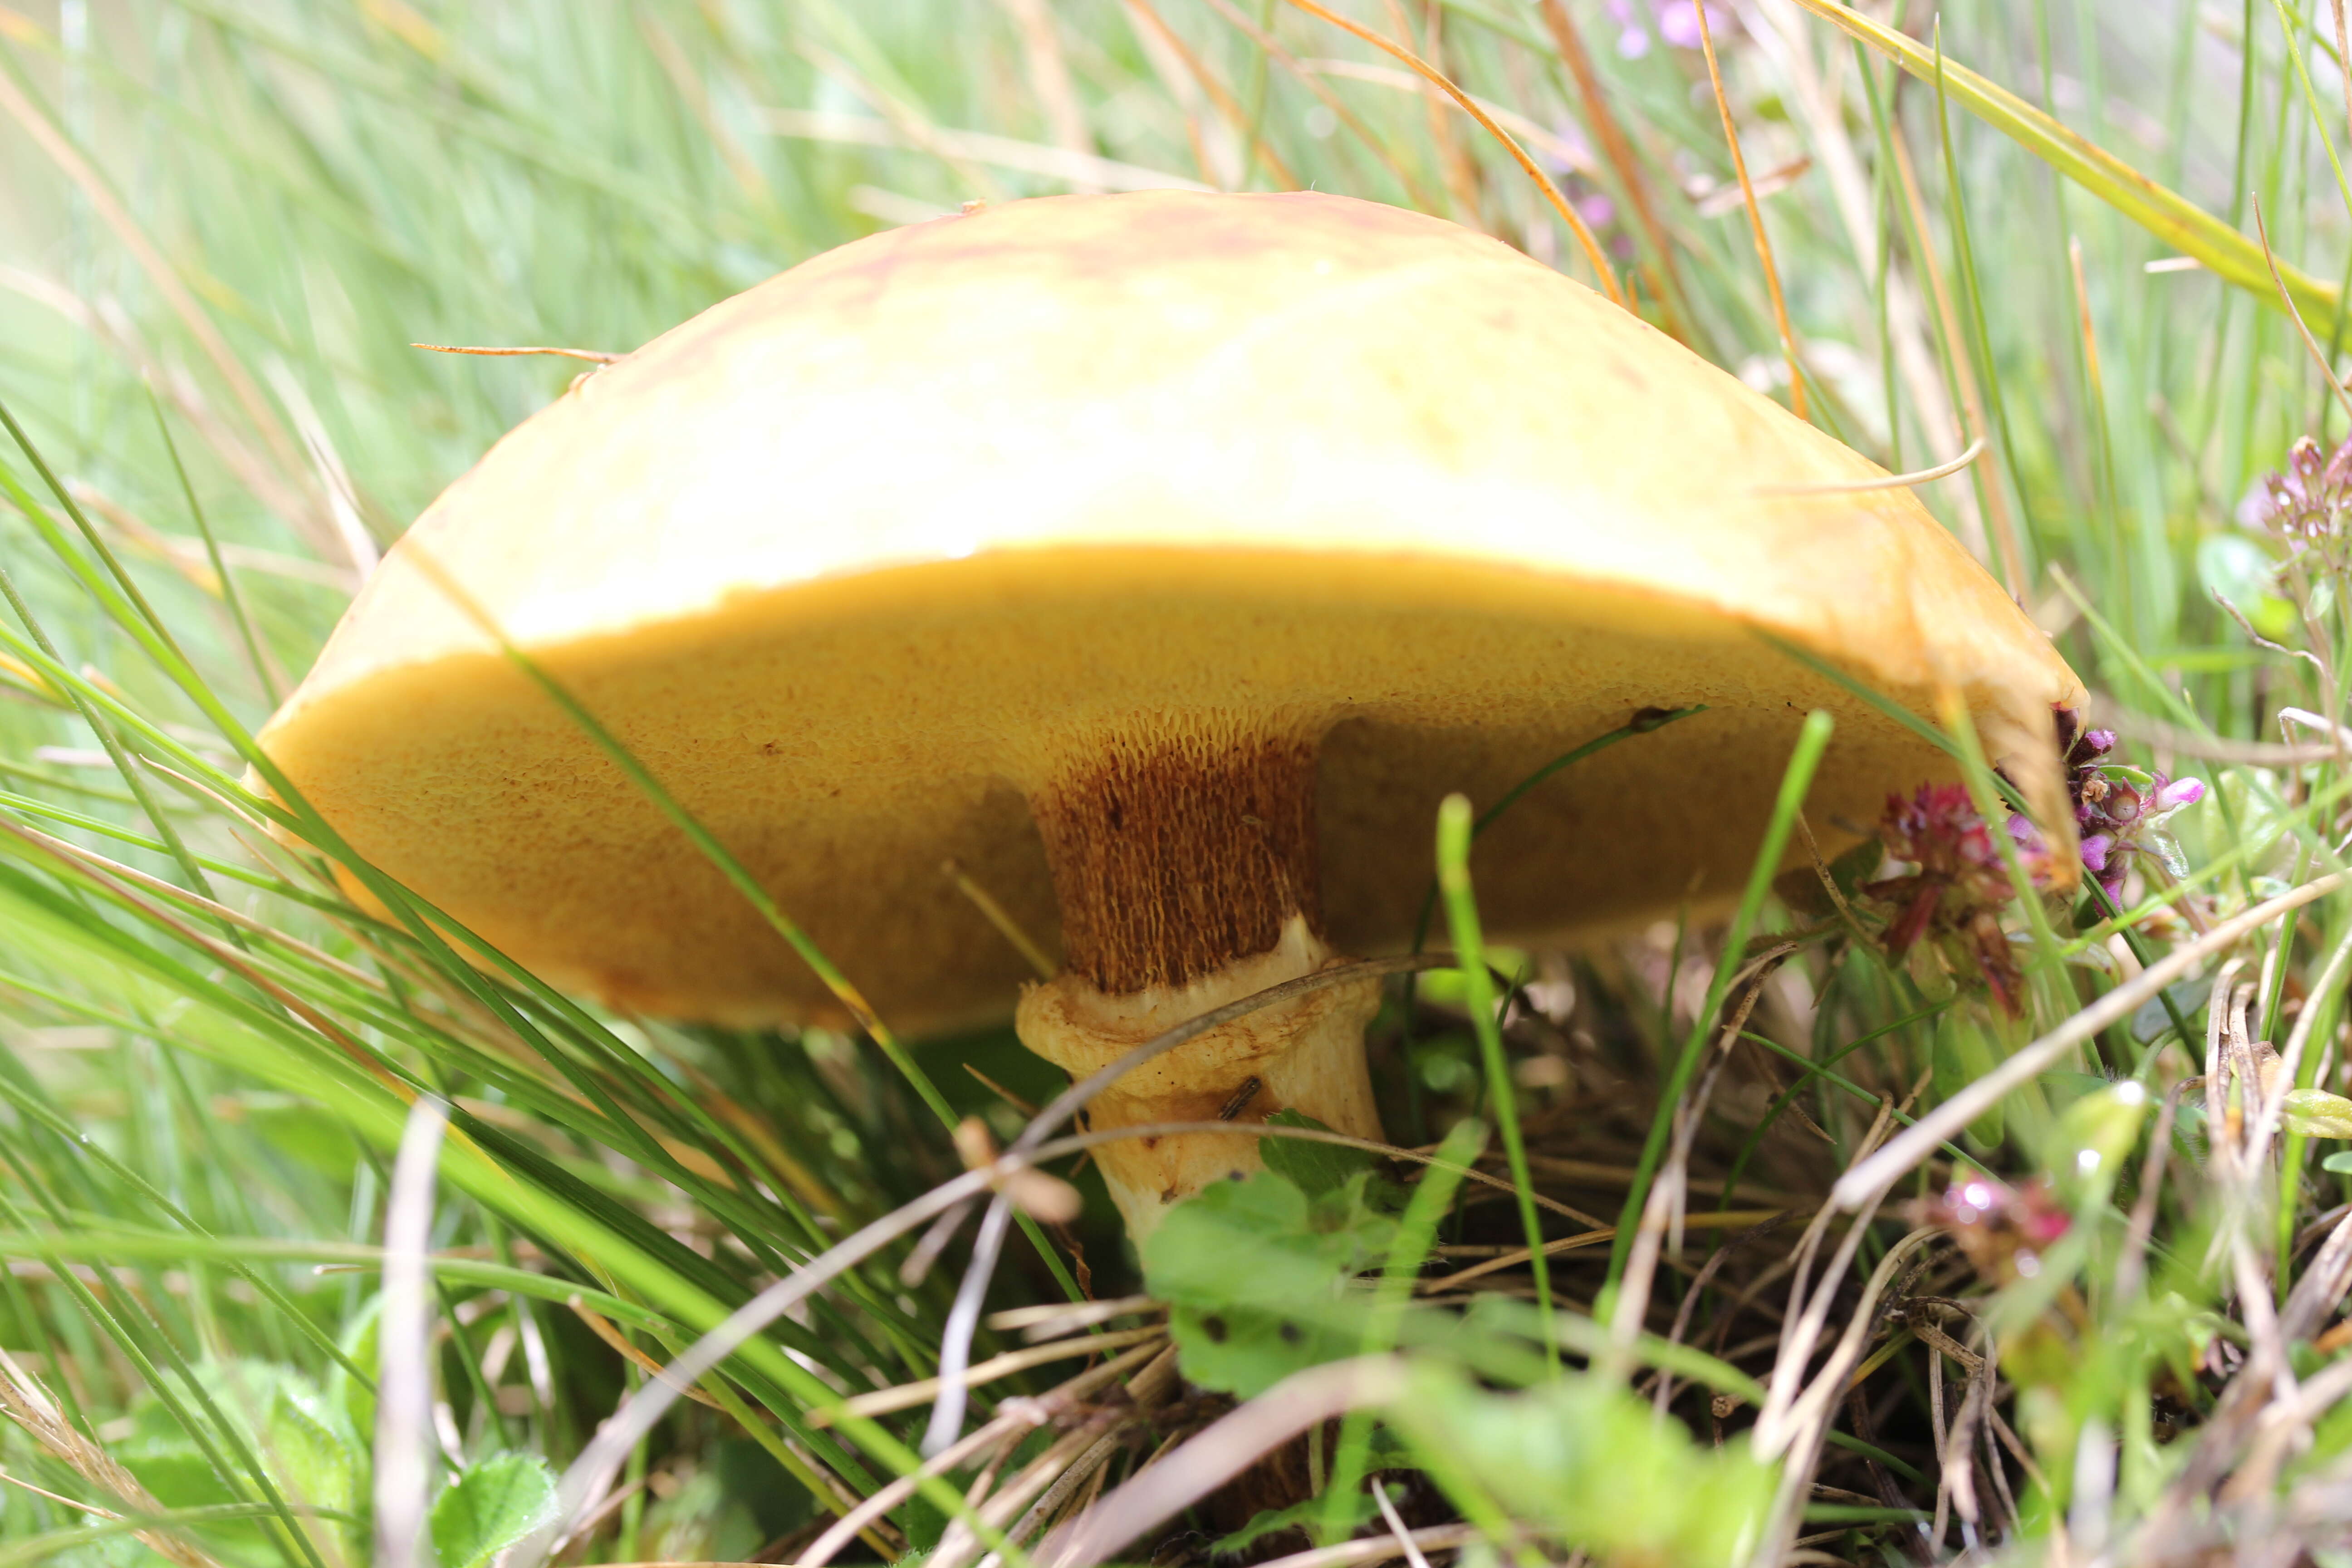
1433, 1196
1454, 833
2171, 217
1804, 759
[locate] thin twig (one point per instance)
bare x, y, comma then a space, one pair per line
2268, 644
2305, 718
1614, 146
1584, 235
404, 1390
1778, 1423
1755, 217
1920, 1140
1053, 1319
1942, 1434
2165, 736
2286, 300
1018, 1416
2322, 1285
960, 1543
2343, 55
906, 1395
1722, 1254
1662, 1210
26, 1402
1089, 1466
1974, 450
621, 1430
1389, 1516
2131, 1263
1805, 1428
605, 1330
1224, 1450
996, 915
963, 1316
595, 355
1379, 1548
926, 1252
2273, 1105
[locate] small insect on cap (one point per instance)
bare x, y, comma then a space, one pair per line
1163, 559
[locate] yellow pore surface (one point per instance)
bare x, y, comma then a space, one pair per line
859, 560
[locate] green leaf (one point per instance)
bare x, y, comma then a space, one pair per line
497, 1502
2149, 1021
2316, 1113
309, 1447
1241, 1263
1313, 1169
304, 1440
1323, 1171
2242, 571
702, 1523
1964, 1052
360, 1341
1359, 1511
1583, 1457
2093, 1139
2166, 214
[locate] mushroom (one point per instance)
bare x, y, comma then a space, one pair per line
1163, 559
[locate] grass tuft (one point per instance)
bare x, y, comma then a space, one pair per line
1908, 1263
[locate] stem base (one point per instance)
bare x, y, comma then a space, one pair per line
1305, 1055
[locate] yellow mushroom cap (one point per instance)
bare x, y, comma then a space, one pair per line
859, 561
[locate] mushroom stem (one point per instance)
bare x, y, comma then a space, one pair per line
1305, 1055
1185, 868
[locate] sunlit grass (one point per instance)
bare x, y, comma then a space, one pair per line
223, 226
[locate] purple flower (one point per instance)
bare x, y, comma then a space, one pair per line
1679, 22
1955, 893
2001, 1229
1632, 41
2307, 503
1569, 151
2119, 811
1956, 887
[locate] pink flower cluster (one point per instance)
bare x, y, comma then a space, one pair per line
1957, 885
2002, 1229
2307, 503
1676, 20
2115, 817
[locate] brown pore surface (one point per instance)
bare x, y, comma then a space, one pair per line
1171, 862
